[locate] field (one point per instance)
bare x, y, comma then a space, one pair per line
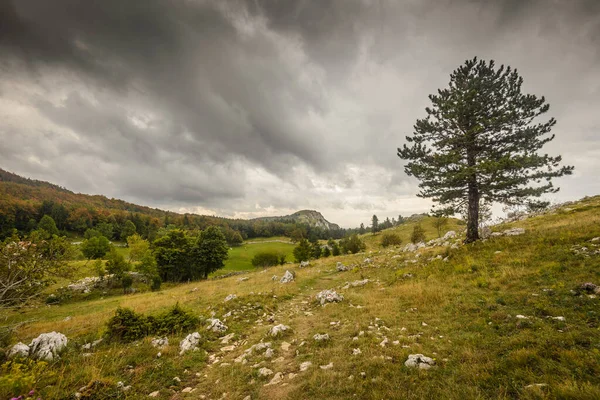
240, 257
503, 318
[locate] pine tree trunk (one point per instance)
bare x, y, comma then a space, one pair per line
473, 206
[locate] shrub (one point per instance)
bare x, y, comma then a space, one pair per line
127, 325
126, 282
155, 284
18, 377
175, 320
352, 244
418, 234
265, 259
390, 239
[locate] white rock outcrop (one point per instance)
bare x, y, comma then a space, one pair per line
47, 346
287, 277
321, 337
328, 296
341, 267
190, 342
304, 264
18, 350
215, 325
419, 361
278, 330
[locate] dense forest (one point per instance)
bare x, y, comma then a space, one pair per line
24, 202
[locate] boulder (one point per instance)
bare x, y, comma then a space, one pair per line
304, 264
18, 350
419, 361
329, 296
341, 267
47, 346
305, 366
215, 325
287, 277
189, 343
278, 329
264, 371
276, 379
321, 337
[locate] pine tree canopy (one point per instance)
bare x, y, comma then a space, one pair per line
480, 141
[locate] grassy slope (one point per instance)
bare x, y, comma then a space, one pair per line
469, 306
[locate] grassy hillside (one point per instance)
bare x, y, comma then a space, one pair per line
503, 318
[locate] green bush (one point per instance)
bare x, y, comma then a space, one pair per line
127, 325
265, 259
155, 284
175, 320
390, 239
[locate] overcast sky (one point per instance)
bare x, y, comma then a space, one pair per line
246, 109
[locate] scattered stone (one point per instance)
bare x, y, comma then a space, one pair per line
264, 371
341, 267
276, 379
225, 339
536, 385
177, 379
367, 261
562, 319
287, 277
278, 329
291, 375
269, 353
189, 343
384, 342
329, 296
154, 394
216, 325
230, 297
356, 283
321, 337
590, 288
328, 366
519, 316
47, 346
160, 342
228, 348
419, 361
245, 278
285, 346
356, 352
407, 275
187, 390
449, 235
596, 239
18, 350
305, 366
304, 264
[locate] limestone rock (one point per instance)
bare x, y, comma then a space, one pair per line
47, 346
328, 366
287, 277
189, 343
215, 325
154, 394
278, 329
419, 361
449, 235
276, 379
304, 264
18, 350
321, 337
341, 267
230, 297
264, 371
329, 296
305, 366
160, 342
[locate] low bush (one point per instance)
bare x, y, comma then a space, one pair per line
418, 234
265, 259
127, 325
390, 239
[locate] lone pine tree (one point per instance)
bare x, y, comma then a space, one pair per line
480, 141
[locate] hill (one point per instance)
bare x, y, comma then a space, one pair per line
306, 217
23, 202
514, 316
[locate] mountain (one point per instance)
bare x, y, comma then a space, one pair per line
311, 218
24, 201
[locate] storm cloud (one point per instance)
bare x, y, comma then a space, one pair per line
265, 107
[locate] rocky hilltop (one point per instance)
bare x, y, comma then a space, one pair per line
309, 217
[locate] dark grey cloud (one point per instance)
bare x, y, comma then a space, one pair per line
253, 107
